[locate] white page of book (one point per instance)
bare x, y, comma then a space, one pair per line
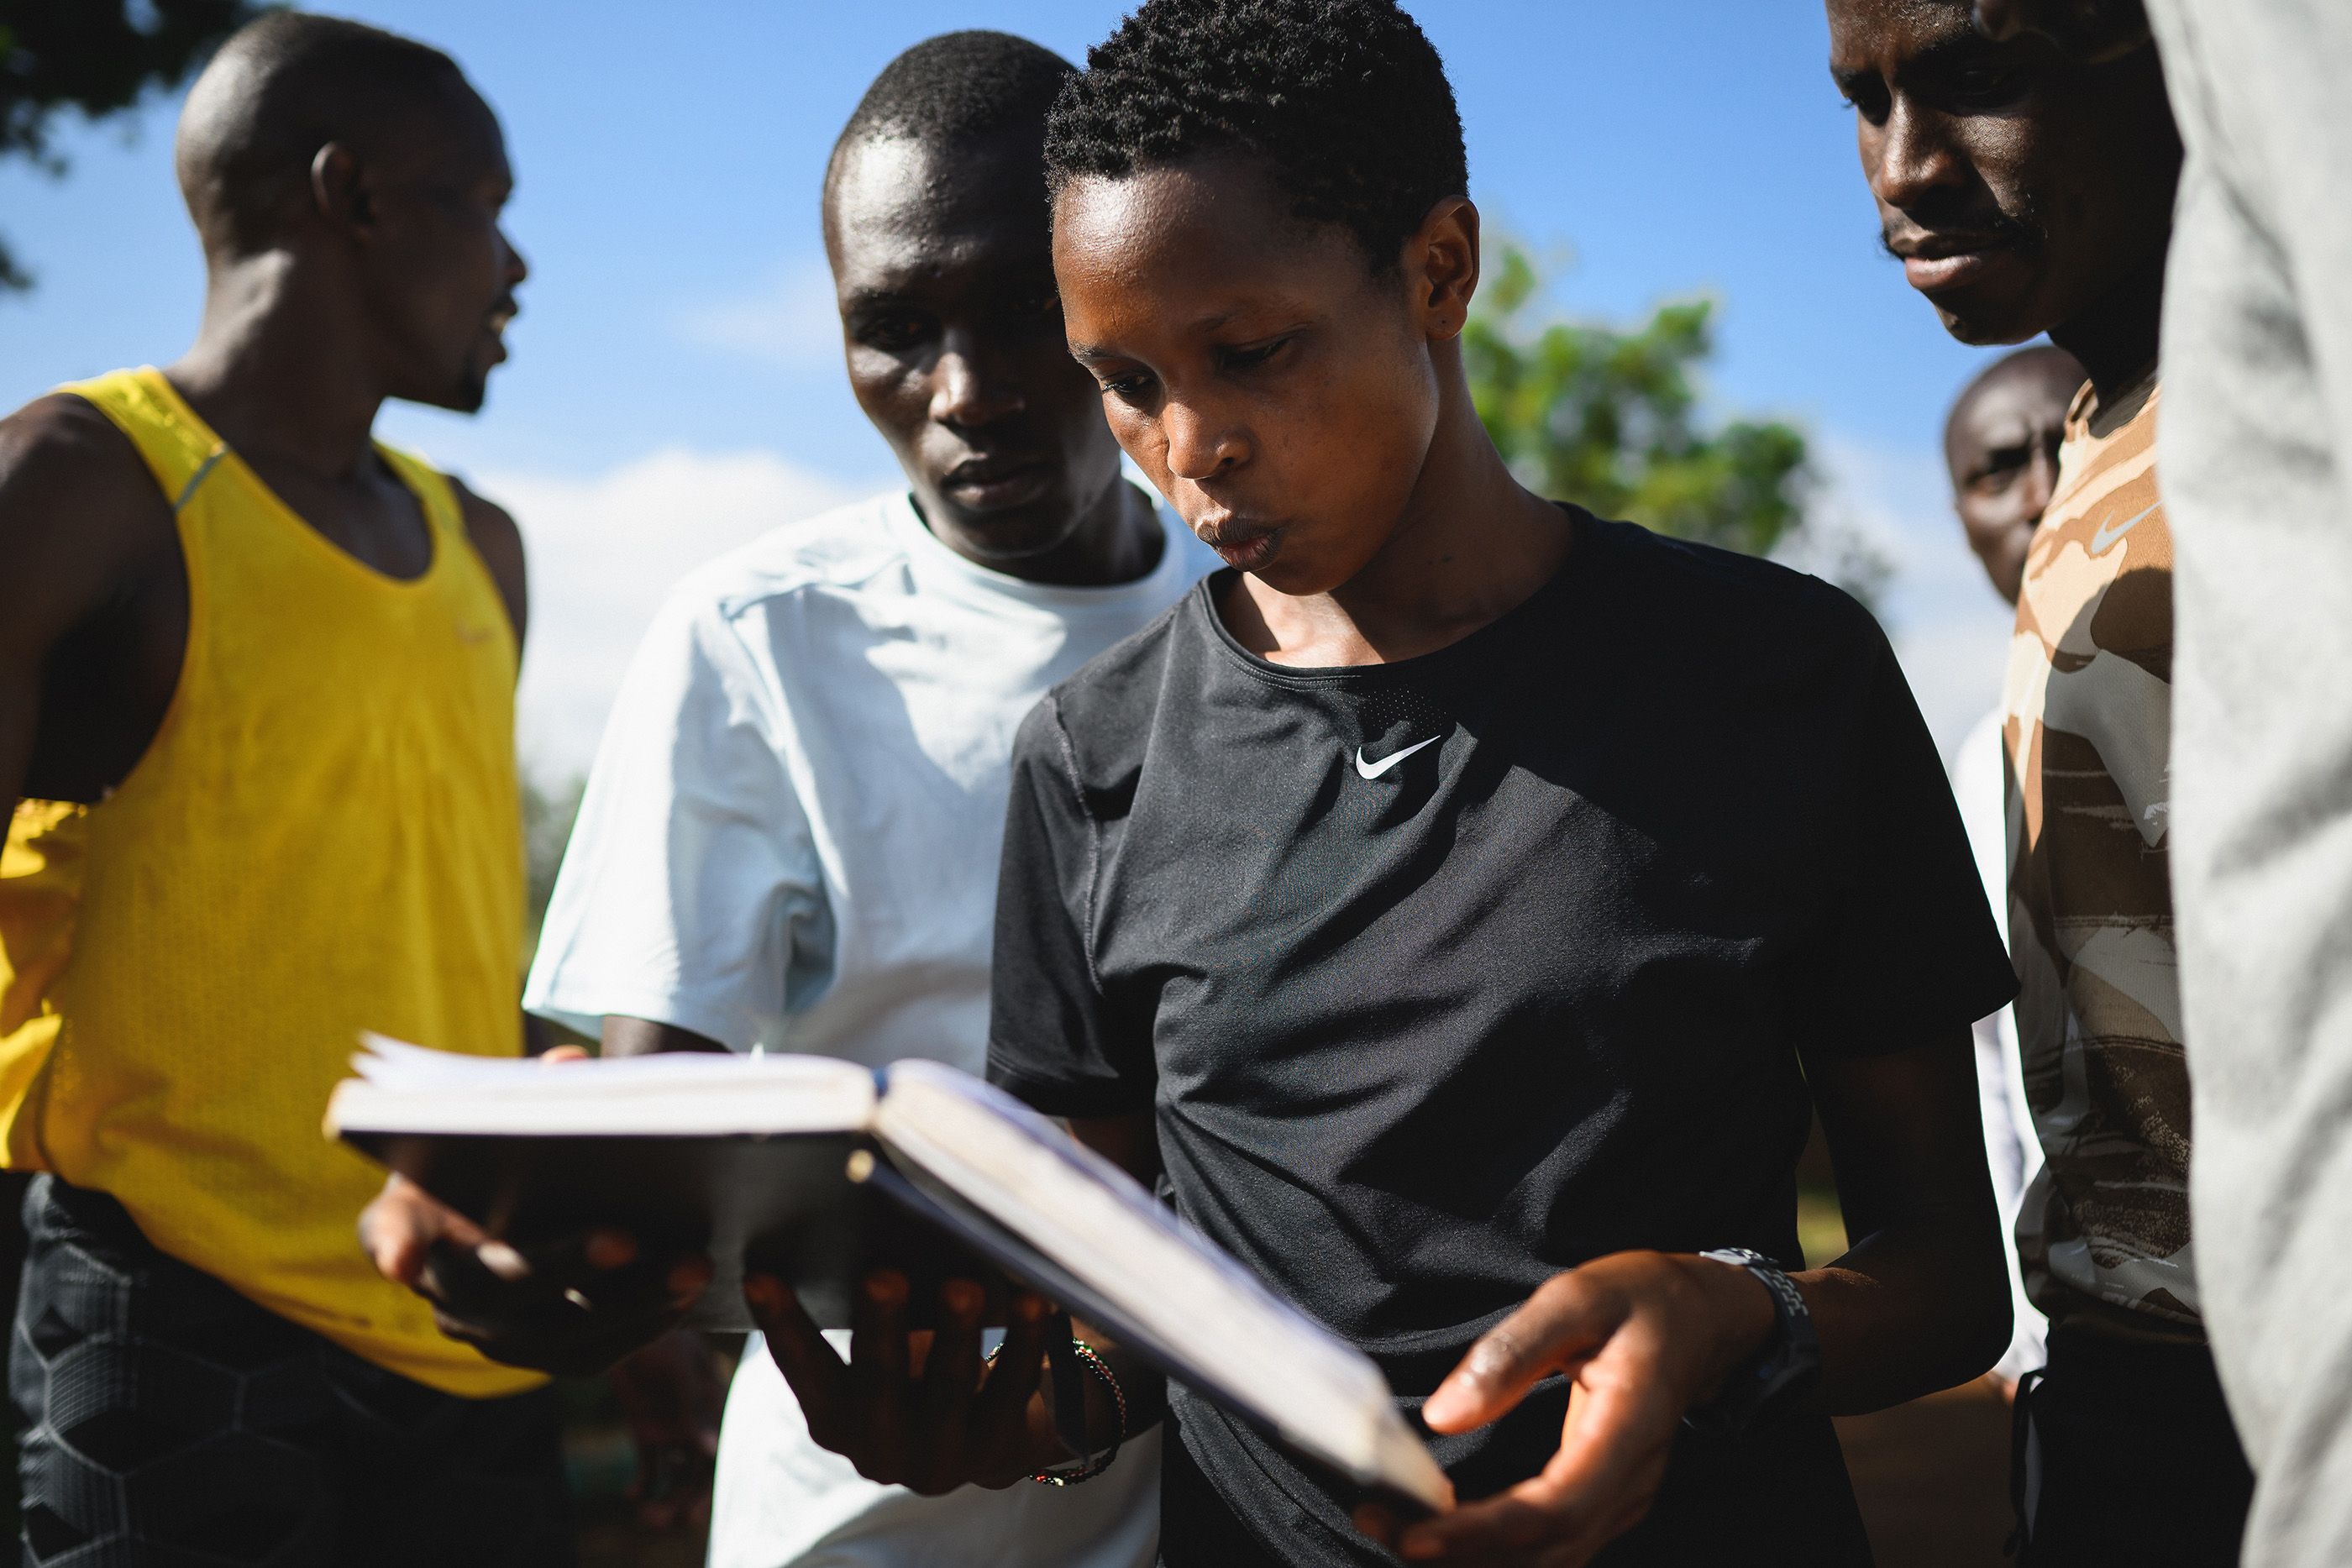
408, 1089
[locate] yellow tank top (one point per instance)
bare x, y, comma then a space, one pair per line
323, 837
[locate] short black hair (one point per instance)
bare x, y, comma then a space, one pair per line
1345, 100
959, 87
280, 89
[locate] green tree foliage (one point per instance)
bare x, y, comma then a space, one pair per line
1607, 419
99, 56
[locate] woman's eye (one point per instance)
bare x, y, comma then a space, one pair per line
1255, 355
1127, 388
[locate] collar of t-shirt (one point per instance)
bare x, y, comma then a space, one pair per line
938, 570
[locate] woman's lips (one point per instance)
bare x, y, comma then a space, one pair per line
1245, 550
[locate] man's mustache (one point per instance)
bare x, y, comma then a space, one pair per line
1994, 229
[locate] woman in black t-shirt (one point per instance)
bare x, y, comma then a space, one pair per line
1461, 904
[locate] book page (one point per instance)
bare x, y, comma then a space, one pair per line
406, 1088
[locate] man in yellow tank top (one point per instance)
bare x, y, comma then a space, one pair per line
256, 680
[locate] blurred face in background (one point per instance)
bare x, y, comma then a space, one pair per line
943, 269
2018, 187
2001, 448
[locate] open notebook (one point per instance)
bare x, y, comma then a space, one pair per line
816, 1169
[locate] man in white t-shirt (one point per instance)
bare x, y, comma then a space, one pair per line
2000, 446
790, 837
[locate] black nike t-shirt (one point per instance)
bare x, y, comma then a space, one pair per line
1444, 976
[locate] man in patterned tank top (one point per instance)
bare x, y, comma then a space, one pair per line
2027, 191
256, 754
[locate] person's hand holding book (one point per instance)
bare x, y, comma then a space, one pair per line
575, 1305
1645, 1336
924, 1409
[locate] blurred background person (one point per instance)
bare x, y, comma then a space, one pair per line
257, 732
2029, 191
790, 838
2000, 448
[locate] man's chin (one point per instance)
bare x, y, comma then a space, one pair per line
1986, 323
470, 395
1006, 537
466, 397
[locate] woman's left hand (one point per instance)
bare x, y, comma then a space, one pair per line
1645, 1336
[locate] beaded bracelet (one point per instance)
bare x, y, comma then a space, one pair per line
1087, 1469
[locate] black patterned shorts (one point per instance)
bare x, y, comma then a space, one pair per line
168, 1421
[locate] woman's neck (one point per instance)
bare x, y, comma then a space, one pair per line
1472, 545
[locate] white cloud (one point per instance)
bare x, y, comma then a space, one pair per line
1950, 629
603, 553
793, 320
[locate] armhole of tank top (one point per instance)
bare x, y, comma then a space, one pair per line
453, 538
436, 498
192, 571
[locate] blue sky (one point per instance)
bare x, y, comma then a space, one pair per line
676, 381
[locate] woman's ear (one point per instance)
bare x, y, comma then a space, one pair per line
1441, 262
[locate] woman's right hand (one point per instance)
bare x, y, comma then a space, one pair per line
918, 1409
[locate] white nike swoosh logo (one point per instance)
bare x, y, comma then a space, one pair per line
2105, 537
1374, 769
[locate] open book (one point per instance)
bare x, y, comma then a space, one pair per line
816, 1169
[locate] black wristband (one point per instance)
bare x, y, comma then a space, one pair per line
1776, 1377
